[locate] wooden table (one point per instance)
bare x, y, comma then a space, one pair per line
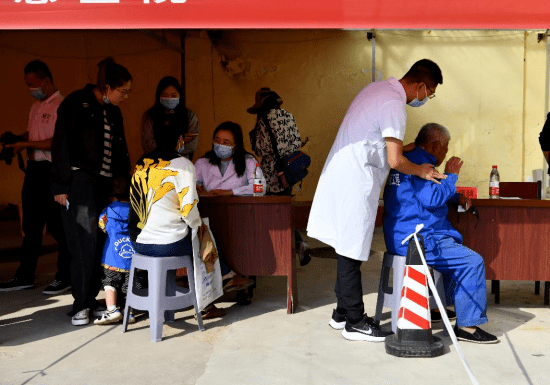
255, 235
512, 236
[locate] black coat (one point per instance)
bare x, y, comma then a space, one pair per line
78, 138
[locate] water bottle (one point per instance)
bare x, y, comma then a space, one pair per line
258, 186
494, 181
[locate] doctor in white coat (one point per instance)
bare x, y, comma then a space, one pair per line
368, 143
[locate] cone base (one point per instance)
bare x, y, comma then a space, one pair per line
426, 348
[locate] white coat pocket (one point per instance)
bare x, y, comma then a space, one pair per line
376, 154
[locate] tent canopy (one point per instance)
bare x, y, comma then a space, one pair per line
219, 14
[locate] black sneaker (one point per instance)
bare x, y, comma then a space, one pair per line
338, 321
15, 284
304, 252
436, 316
365, 330
56, 287
479, 336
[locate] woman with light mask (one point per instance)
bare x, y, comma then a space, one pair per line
226, 170
168, 112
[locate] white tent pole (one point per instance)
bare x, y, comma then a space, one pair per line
547, 91
373, 57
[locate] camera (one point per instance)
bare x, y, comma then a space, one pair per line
6, 154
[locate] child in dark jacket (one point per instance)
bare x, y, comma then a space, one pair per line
118, 250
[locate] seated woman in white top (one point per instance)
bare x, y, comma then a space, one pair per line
227, 169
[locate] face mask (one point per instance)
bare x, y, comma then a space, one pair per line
222, 151
106, 99
418, 103
181, 147
170, 103
37, 93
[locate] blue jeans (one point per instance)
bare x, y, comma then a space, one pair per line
464, 276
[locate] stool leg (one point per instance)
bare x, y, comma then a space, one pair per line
380, 300
157, 287
170, 292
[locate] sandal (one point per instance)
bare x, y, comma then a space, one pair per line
212, 311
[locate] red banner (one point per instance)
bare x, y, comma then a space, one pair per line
221, 14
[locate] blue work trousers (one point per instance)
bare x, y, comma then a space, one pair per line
464, 276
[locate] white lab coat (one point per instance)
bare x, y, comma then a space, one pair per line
211, 178
346, 200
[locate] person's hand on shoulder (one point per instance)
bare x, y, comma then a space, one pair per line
428, 172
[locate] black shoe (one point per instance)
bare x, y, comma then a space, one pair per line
56, 287
338, 321
304, 252
15, 284
436, 316
479, 336
365, 330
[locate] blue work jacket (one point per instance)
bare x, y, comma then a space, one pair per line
410, 200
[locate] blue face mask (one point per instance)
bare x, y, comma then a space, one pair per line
37, 93
419, 103
106, 99
170, 103
222, 151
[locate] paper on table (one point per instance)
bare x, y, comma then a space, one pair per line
510, 198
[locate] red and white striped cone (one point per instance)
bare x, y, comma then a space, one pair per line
414, 330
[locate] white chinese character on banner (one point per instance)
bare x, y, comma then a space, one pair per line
36, 1
99, 1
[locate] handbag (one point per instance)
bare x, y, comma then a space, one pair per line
293, 167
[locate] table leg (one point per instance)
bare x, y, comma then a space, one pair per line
537, 287
495, 286
547, 293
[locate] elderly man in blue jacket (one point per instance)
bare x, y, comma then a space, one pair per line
410, 200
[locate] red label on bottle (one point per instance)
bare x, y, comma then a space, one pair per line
494, 191
258, 188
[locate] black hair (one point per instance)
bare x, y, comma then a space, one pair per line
239, 154
121, 187
425, 71
161, 120
39, 68
111, 74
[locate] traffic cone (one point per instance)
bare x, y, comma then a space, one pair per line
414, 332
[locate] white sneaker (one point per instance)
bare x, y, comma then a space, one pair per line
81, 318
109, 317
98, 311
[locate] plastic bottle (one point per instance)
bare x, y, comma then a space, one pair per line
258, 186
494, 181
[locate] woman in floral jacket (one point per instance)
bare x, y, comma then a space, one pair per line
270, 116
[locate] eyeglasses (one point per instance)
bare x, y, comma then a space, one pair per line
223, 142
432, 95
123, 92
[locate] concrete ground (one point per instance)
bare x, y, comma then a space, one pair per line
259, 343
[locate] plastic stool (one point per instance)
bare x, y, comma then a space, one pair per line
391, 296
163, 296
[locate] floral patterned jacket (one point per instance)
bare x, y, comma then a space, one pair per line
288, 141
